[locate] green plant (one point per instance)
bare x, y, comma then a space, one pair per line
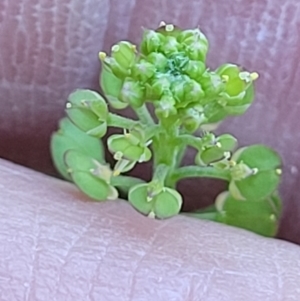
176, 99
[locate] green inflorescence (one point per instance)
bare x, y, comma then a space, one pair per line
177, 100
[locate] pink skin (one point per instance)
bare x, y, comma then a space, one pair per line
52, 243
57, 245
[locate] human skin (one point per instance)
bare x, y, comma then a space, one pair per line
55, 244
49, 48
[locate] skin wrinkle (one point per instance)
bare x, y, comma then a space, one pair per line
147, 252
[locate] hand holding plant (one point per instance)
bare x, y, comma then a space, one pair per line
176, 99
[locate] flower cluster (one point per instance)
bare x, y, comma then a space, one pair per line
176, 97
169, 70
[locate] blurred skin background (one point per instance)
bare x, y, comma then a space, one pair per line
49, 48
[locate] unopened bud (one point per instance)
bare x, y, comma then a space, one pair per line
124, 53
158, 60
194, 69
143, 70
151, 41
132, 93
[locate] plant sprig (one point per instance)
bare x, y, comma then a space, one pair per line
168, 74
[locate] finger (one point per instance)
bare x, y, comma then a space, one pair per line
57, 245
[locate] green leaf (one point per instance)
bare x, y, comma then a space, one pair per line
69, 137
138, 198
260, 217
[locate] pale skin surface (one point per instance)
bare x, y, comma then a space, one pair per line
57, 245
50, 49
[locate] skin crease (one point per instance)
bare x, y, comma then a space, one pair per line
57, 245
48, 49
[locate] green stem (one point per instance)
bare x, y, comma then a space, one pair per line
190, 140
205, 216
152, 131
207, 213
199, 172
125, 181
144, 115
118, 121
160, 173
158, 180
180, 155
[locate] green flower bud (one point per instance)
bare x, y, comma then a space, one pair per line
132, 93
151, 41
192, 117
212, 84
160, 85
88, 111
195, 44
193, 91
143, 70
170, 45
169, 30
165, 107
111, 63
194, 69
111, 86
178, 89
158, 60
124, 53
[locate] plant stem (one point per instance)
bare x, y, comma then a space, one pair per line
199, 172
118, 121
160, 173
190, 140
205, 215
144, 115
125, 181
